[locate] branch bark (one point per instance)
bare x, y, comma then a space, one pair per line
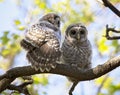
111, 7
61, 69
112, 30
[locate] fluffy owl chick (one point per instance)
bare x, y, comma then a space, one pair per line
76, 49
42, 42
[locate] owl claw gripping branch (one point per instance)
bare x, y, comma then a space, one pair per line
42, 42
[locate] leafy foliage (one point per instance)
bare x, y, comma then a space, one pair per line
40, 80
102, 46
108, 86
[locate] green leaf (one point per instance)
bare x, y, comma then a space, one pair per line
37, 2
17, 22
5, 38
115, 43
1, 1
115, 1
15, 36
102, 45
6, 33
21, 28
5, 52
107, 82
42, 5
40, 80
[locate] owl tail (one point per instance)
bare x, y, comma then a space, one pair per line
46, 67
39, 63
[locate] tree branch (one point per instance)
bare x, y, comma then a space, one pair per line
111, 7
112, 30
4, 83
20, 88
61, 69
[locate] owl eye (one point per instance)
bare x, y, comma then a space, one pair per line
57, 21
82, 32
73, 32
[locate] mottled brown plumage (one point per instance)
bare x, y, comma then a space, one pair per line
42, 42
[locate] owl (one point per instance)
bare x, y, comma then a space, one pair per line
76, 48
42, 42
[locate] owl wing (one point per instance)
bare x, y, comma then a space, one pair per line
40, 33
46, 43
36, 35
26, 45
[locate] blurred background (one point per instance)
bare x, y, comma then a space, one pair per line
17, 15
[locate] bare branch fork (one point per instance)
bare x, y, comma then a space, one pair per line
61, 69
20, 88
112, 30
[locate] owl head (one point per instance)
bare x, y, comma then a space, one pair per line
76, 33
52, 18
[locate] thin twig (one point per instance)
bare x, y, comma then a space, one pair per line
100, 87
111, 7
73, 87
27, 78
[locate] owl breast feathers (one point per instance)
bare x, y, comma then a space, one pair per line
42, 42
76, 48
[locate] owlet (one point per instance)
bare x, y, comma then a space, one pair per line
42, 42
76, 48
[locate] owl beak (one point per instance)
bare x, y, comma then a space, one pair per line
78, 37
